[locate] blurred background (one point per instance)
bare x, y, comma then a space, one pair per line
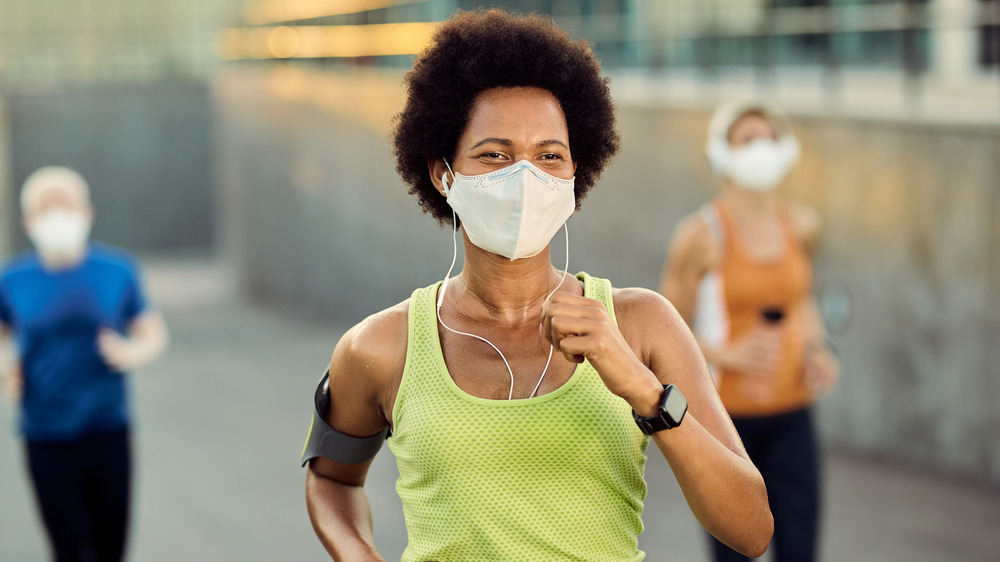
240, 149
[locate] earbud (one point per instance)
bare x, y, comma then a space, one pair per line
444, 177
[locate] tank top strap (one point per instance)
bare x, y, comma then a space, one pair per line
422, 320
793, 238
422, 344
718, 224
598, 289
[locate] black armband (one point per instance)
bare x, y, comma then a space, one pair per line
325, 441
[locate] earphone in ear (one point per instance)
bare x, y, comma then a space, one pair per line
444, 177
444, 184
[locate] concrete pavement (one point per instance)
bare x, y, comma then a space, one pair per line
222, 418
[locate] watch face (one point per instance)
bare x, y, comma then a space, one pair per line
675, 405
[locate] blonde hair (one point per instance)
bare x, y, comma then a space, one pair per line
52, 177
728, 114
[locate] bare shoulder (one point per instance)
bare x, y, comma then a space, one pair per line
640, 305
693, 244
807, 222
692, 233
366, 367
647, 319
378, 339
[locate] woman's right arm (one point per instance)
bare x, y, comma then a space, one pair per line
364, 377
691, 255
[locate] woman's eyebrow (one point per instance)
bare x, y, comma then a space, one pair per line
509, 143
553, 141
504, 142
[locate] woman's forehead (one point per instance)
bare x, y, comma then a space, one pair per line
500, 112
752, 122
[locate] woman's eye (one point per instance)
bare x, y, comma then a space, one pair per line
552, 158
493, 155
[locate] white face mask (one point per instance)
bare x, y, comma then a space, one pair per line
761, 164
60, 233
514, 211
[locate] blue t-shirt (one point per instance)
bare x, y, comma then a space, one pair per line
69, 391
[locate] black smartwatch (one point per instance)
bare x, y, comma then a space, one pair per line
673, 406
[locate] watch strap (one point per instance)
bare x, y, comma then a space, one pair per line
662, 420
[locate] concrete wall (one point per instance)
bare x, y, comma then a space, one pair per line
912, 213
314, 211
318, 220
145, 150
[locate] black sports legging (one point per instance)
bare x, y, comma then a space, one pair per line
785, 450
82, 491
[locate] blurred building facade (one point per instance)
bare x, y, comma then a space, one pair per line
924, 43
115, 41
109, 41
119, 91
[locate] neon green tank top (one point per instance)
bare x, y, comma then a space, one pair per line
554, 477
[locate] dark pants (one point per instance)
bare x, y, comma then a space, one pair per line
784, 448
82, 491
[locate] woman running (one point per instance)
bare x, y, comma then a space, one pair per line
739, 272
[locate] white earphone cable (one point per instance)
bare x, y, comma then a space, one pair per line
444, 285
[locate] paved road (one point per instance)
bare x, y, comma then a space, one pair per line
223, 416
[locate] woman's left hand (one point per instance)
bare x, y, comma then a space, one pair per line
581, 328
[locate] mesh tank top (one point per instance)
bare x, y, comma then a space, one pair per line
554, 477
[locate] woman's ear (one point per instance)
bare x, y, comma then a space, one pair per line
437, 168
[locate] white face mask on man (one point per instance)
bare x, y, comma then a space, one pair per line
514, 211
60, 233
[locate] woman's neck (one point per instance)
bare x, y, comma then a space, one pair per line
749, 204
508, 291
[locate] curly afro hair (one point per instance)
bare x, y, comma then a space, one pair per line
479, 50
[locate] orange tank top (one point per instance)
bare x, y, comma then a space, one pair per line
732, 301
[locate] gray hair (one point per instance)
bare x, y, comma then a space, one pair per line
52, 177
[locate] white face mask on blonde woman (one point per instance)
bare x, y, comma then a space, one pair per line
751, 145
761, 164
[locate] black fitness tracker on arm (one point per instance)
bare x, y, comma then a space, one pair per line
671, 412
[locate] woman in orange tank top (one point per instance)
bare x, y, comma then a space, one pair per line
739, 271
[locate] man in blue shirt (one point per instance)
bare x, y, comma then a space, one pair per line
80, 319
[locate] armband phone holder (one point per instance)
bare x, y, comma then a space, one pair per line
325, 441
